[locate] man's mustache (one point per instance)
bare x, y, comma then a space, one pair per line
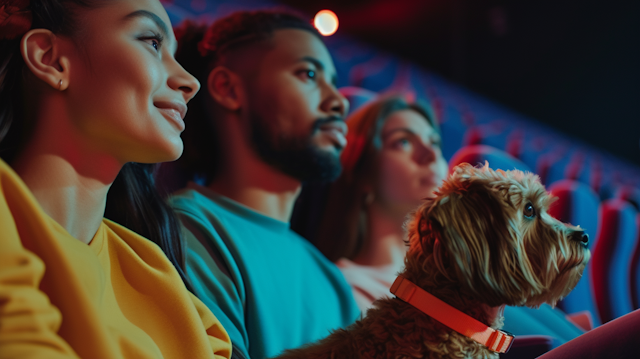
322, 121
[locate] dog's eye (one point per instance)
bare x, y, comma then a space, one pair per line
529, 211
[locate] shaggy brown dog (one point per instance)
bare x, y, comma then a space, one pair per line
483, 242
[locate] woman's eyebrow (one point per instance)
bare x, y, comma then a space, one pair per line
155, 18
394, 130
434, 137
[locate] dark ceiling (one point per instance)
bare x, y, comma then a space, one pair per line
574, 65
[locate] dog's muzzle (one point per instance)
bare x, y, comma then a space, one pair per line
580, 237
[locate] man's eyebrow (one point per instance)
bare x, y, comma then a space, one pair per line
148, 14
317, 63
320, 66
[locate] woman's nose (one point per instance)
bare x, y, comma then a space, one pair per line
184, 82
425, 155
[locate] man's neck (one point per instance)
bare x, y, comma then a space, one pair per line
245, 178
259, 186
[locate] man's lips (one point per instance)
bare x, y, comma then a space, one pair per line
175, 111
337, 131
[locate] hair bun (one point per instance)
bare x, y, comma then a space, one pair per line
15, 19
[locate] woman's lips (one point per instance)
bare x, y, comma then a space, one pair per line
173, 111
174, 116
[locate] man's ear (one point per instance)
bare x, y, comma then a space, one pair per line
225, 86
41, 52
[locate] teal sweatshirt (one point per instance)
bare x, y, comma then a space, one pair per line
270, 288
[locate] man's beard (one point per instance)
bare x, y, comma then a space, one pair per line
296, 157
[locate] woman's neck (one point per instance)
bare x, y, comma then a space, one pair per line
69, 180
384, 242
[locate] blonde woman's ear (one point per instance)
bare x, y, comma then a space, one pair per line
40, 49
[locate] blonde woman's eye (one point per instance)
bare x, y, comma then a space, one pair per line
403, 142
529, 211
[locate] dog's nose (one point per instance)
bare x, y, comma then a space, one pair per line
582, 237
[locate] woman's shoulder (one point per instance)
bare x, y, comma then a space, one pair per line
133, 247
17, 203
12, 186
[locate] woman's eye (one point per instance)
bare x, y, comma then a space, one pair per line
402, 143
155, 42
529, 211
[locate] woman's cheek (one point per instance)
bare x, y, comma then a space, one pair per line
398, 180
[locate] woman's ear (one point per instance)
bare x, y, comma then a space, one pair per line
225, 87
40, 50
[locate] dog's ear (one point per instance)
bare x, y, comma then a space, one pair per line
424, 241
480, 242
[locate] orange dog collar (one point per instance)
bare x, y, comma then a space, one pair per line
496, 340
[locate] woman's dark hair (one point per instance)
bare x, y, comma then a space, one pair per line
57, 16
200, 51
133, 200
342, 226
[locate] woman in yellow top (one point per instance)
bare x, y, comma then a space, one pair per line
87, 87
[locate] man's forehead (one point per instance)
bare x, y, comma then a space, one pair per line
297, 44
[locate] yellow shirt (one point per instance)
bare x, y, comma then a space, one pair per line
118, 297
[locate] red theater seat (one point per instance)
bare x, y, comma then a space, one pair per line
611, 259
616, 339
578, 204
497, 159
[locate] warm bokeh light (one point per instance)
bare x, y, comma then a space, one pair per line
326, 22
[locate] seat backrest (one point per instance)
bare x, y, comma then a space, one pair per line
497, 159
611, 259
529, 347
579, 205
634, 270
630, 194
616, 339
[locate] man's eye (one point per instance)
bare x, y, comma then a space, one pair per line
309, 74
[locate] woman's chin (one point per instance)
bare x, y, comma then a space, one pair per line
168, 153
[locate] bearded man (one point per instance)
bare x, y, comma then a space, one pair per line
269, 118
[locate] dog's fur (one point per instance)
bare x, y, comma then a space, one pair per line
472, 247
